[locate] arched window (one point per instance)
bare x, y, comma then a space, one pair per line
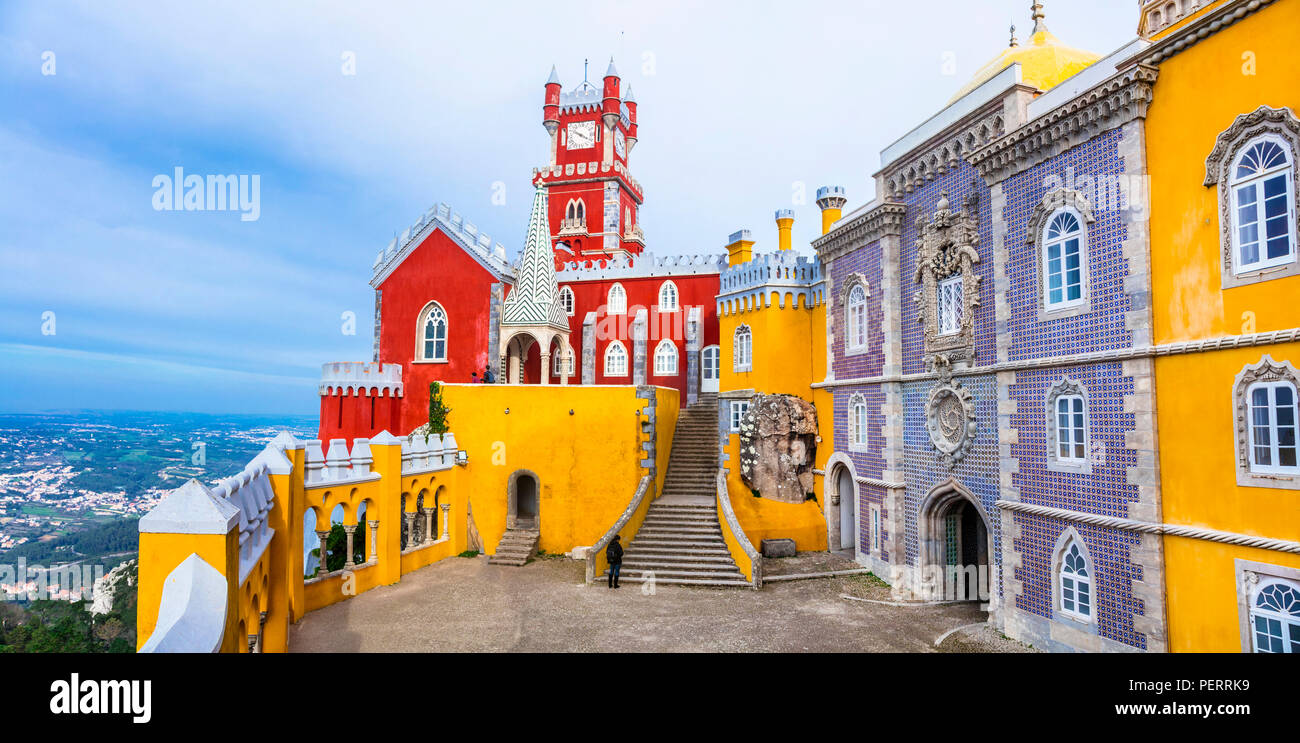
1063, 260
1272, 412
950, 305
856, 317
1275, 616
857, 423
431, 343
616, 360
1075, 583
562, 362
566, 300
742, 348
668, 297
616, 304
666, 359
1263, 197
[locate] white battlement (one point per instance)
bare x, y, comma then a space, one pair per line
361, 377
645, 265
455, 226
785, 273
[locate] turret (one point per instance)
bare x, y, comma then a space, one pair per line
831, 200
740, 248
609, 106
629, 100
551, 109
784, 224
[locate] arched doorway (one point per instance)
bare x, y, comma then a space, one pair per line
522, 360
955, 554
848, 496
522, 500
710, 367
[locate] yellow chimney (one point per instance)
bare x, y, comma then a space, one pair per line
740, 248
784, 224
831, 200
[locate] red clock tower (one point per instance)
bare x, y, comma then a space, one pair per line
592, 197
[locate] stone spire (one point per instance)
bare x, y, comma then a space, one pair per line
1037, 14
534, 300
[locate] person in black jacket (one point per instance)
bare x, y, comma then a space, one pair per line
614, 554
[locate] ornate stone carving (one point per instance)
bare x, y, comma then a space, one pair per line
950, 416
944, 153
1267, 370
778, 445
1280, 122
947, 246
882, 221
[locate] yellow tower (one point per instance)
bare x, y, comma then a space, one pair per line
784, 226
740, 248
830, 199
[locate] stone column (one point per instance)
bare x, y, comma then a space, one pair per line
428, 525
446, 510
410, 529
374, 541
349, 563
546, 368
324, 537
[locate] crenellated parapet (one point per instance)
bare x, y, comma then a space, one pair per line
544, 175
478, 244
361, 378
785, 274
643, 266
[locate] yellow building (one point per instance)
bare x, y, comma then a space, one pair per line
1224, 284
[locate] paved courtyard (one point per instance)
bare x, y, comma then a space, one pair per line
467, 605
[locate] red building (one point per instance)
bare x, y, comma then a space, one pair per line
634, 318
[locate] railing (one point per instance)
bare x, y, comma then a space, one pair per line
575, 226
743, 553
596, 562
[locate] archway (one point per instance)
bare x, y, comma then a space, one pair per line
523, 360
954, 539
523, 500
848, 497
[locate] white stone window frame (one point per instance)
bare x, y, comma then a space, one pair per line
568, 301
562, 364
1088, 623
1055, 202
421, 320
675, 296
1247, 129
949, 295
742, 349
1251, 576
661, 370
856, 282
874, 542
736, 414
1071, 388
609, 356
1265, 370
616, 300
858, 436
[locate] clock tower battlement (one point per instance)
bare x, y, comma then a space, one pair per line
593, 200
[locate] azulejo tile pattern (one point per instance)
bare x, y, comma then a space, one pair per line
867, 262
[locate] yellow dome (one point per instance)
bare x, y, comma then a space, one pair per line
1044, 62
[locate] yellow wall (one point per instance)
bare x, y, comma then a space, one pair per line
159, 556
587, 464
1195, 418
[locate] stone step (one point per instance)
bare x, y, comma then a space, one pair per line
713, 562
680, 531
738, 582
684, 574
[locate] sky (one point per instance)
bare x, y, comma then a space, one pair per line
356, 117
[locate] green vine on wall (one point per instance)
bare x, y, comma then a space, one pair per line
438, 411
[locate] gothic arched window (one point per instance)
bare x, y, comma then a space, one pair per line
566, 300
856, 317
617, 301
742, 349
431, 343
1075, 583
666, 359
616, 360
668, 297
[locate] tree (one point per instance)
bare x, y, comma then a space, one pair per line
438, 411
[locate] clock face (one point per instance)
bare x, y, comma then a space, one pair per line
620, 144
581, 135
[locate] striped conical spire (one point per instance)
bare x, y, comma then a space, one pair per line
533, 301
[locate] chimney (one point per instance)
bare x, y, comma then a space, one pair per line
830, 199
784, 224
740, 248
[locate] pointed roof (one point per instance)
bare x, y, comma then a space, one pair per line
534, 300
554, 79
629, 98
612, 71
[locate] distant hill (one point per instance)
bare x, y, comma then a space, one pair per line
114, 537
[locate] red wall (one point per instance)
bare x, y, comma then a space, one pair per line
348, 416
439, 269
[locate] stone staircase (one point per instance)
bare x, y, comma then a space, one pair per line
680, 540
516, 548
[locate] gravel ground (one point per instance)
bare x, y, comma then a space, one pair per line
467, 605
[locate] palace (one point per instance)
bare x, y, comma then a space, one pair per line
1049, 367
